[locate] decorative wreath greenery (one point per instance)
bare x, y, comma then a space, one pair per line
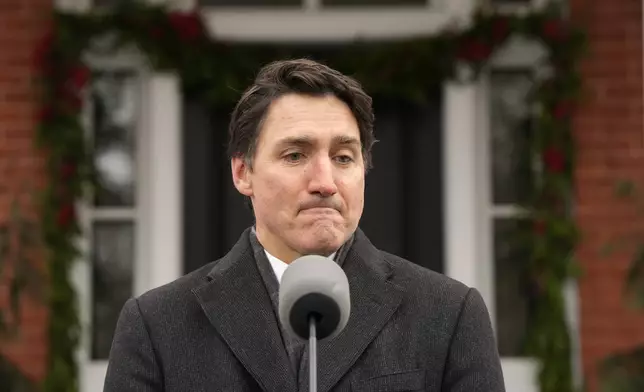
216, 71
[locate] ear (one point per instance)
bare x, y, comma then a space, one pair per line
241, 176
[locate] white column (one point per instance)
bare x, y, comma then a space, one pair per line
460, 193
164, 207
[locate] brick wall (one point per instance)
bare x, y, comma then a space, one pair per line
610, 135
23, 23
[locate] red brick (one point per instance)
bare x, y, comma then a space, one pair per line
23, 22
609, 135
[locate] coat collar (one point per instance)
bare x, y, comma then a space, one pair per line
237, 304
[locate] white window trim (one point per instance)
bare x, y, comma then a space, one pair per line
158, 212
91, 372
520, 373
467, 232
518, 53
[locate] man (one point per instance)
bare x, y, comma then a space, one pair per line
300, 145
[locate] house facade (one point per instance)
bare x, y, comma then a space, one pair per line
166, 204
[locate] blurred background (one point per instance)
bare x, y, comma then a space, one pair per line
446, 191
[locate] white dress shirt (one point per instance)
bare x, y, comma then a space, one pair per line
279, 266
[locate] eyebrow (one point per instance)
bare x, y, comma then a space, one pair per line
306, 141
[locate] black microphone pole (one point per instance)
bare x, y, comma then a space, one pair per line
314, 300
313, 355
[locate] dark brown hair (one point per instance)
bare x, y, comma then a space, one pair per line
300, 76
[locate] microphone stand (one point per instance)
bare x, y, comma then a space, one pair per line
313, 377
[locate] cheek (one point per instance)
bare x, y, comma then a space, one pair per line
358, 199
353, 192
277, 193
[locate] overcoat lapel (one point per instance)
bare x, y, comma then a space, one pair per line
236, 302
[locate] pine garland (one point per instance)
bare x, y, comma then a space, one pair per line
215, 71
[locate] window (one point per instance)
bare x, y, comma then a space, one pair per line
136, 182
112, 212
510, 181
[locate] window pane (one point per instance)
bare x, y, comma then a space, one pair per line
510, 135
254, 3
512, 288
116, 109
112, 280
374, 2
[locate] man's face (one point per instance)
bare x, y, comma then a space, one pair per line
307, 179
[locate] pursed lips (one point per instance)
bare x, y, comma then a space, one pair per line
320, 210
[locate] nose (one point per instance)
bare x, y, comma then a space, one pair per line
322, 181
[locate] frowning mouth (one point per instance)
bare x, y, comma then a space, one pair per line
320, 210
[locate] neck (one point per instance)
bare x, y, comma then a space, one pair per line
275, 247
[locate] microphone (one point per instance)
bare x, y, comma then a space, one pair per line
314, 303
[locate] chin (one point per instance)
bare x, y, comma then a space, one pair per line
323, 242
320, 249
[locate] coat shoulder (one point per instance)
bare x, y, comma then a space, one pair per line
175, 295
424, 281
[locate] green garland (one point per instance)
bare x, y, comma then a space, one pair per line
216, 71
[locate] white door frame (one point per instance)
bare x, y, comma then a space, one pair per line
160, 249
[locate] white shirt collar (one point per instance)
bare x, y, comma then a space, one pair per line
279, 266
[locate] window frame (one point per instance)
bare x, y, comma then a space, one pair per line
92, 371
528, 55
158, 233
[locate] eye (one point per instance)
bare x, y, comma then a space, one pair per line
344, 159
293, 157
